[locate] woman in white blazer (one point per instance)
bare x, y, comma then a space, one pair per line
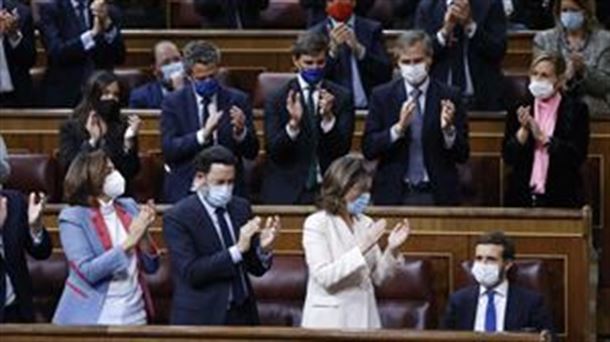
341, 251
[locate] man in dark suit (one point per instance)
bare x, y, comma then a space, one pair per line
495, 304
417, 129
202, 114
358, 59
21, 229
79, 37
17, 54
529, 14
603, 13
469, 44
214, 243
169, 71
316, 9
231, 14
404, 13
308, 123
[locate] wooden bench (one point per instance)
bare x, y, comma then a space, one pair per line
42, 333
445, 237
269, 49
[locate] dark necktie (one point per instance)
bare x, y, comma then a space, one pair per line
237, 286
416, 172
205, 102
490, 312
312, 133
81, 13
458, 71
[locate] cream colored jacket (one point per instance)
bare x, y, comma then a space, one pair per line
340, 291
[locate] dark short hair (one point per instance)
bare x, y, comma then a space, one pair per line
216, 154
310, 43
200, 52
339, 178
498, 238
411, 37
85, 178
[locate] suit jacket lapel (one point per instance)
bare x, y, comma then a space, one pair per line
432, 111
100, 228
511, 314
470, 311
203, 221
399, 92
157, 93
194, 121
236, 220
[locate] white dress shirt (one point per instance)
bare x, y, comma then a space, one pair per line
87, 38
124, 302
500, 297
212, 108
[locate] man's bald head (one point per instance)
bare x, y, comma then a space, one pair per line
166, 52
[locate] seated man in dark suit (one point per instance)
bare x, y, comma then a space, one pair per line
231, 14
309, 122
169, 71
417, 129
316, 9
21, 229
469, 45
495, 304
214, 244
79, 36
358, 59
202, 114
17, 54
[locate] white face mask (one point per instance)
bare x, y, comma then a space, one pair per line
174, 69
218, 195
114, 185
414, 73
487, 275
541, 89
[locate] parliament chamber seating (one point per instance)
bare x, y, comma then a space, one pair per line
281, 14
405, 301
35, 172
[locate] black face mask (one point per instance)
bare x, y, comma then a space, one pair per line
108, 110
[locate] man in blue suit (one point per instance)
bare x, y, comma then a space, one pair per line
358, 59
169, 71
214, 244
309, 122
202, 114
417, 130
21, 229
17, 54
495, 304
79, 36
469, 44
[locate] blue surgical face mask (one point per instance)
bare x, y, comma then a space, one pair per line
357, 206
572, 20
171, 70
207, 87
218, 195
312, 76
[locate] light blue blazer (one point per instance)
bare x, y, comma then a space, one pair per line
93, 261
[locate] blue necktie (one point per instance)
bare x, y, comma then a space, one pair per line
237, 287
416, 171
490, 312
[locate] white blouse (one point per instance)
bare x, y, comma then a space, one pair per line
124, 303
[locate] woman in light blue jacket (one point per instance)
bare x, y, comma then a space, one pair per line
107, 245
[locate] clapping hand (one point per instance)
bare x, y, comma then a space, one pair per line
269, 234
447, 114
36, 204
327, 100
294, 108
139, 226
96, 127
406, 115
246, 232
372, 236
238, 120
398, 236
